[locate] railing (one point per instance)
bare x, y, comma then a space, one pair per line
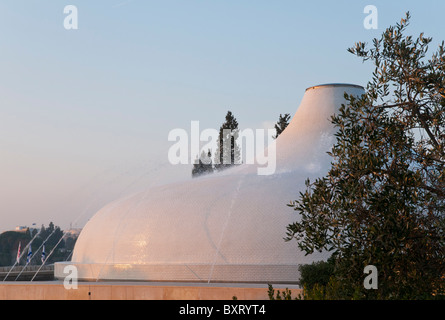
27, 273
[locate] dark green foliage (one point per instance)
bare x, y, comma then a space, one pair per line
203, 165
320, 283
285, 295
9, 243
317, 273
383, 200
51, 236
282, 124
228, 152
56, 232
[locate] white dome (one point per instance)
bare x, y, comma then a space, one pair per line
222, 227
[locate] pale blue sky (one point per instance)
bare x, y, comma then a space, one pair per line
85, 114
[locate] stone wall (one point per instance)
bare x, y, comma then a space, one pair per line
55, 290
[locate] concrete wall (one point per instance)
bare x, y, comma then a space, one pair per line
54, 290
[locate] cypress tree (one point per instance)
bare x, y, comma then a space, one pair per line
228, 152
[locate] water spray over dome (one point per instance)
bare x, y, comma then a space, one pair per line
225, 227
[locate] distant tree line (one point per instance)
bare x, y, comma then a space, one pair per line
49, 236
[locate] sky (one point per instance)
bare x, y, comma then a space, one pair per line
85, 114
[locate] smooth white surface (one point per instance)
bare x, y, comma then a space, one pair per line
236, 219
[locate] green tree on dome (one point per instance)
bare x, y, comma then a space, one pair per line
228, 152
282, 123
203, 164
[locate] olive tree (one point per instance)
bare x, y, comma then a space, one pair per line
382, 202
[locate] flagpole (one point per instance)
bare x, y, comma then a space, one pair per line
29, 256
43, 258
34, 254
16, 262
61, 238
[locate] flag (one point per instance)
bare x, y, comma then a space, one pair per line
18, 253
28, 259
43, 254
